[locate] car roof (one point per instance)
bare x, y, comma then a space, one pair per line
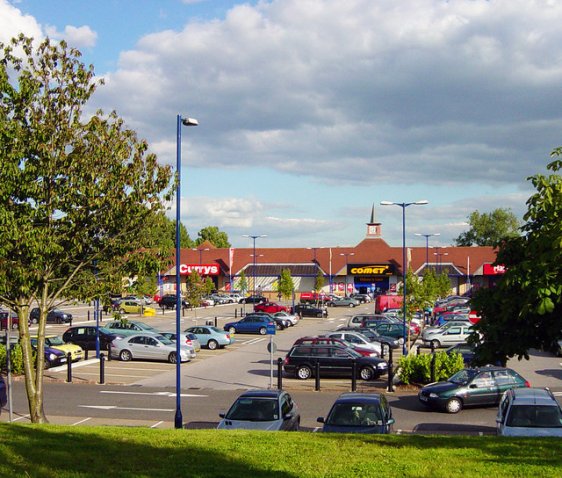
263, 393
533, 396
359, 397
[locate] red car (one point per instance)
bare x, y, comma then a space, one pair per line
270, 307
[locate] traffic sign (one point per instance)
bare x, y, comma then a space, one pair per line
272, 347
271, 329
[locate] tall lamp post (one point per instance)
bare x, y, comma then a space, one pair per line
439, 258
254, 271
346, 254
178, 419
404, 205
200, 253
427, 236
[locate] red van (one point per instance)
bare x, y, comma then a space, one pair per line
384, 302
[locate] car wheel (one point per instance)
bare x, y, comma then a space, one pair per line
232, 330
33, 320
172, 357
454, 405
436, 344
121, 311
47, 365
304, 372
277, 326
366, 373
263, 330
126, 356
212, 344
319, 315
15, 326
352, 305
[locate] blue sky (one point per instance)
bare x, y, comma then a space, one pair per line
311, 111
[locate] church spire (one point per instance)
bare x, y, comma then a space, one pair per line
373, 227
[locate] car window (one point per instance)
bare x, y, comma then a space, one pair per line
286, 405
321, 351
484, 379
150, 341
536, 416
340, 353
454, 331
137, 340
301, 352
503, 377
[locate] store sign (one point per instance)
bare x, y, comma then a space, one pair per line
370, 269
202, 269
493, 270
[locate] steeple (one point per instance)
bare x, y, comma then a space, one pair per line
373, 227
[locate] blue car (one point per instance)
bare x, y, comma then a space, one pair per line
359, 413
251, 324
210, 337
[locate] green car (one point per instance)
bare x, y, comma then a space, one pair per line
471, 387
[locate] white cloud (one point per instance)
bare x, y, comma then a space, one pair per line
77, 37
13, 22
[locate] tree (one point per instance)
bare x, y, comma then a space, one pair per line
319, 282
76, 192
524, 310
242, 283
489, 229
285, 284
212, 234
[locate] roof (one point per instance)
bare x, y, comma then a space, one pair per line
359, 397
262, 393
532, 396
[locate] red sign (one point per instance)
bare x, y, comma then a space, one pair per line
491, 270
202, 269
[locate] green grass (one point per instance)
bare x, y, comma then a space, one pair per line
63, 451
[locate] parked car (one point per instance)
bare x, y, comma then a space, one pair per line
56, 342
291, 319
251, 324
3, 393
54, 316
362, 298
271, 410
280, 321
308, 310
237, 298
482, 386
376, 319
447, 336
133, 307
186, 338
466, 350
129, 327
325, 340
529, 412
9, 318
301, 361
359, 413
112, 305
210, 337
54, 357
149, 347
356, 339
314, 297
253, 299
392, 330
168, 301
270, 307
357, 320
85, 336
372, 335
343, 302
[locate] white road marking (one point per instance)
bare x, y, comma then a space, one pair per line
157, 424
82, 421
252, 341
20, 418
115, 407
160, 394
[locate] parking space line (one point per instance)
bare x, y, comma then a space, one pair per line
81, 421
157, 424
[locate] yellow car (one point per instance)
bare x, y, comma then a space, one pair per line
56, 342
132, 307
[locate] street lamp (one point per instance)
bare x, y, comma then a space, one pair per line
427, 236
200, 253
439, 258
178, 419
254, 271
404, 205
346, 254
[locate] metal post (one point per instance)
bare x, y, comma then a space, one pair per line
432, 363
353, 375
102, 368
69, 367
215, 321
317, 376
404, 345
178, 419
390, 373
279, 373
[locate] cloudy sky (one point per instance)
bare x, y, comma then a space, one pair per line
311, 111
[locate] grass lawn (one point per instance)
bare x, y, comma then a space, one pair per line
64, 451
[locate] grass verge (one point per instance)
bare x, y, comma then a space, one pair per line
63, 451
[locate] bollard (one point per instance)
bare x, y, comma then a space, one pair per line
109, 351
235, 313
432, 363
69, 367
215, 321
88, 315
419, 349
390, 372
317, 376
353, 375
279, 373
86, 354
70, 323
102, 368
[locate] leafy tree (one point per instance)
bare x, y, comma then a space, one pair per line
194, 288
242, 283
285, 284
524, 310
212, 234
489, 229
76, 192
185, 241
319, 282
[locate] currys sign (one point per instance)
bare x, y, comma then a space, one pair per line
493, 270
202, 269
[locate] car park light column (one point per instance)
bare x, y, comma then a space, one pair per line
254, 271
178, 419
346, 254
427, 236
404, 205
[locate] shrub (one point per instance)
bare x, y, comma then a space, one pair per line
417, 368
16, 359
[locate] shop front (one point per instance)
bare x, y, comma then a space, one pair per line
371, 278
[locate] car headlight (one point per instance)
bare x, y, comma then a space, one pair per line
433, 395
382, 365
52, 357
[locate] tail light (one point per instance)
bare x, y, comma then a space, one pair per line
286, 361
527, 384
188, 342
228, 336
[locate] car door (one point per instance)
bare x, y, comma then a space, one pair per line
482, 390
505, 380
203, 334
451, 336
137, 345
339, 361
154, 350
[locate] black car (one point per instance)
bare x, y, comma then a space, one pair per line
308, 310
85, 337
169, 301
471, 387
333, 360
3, 393
253, 299
54, 316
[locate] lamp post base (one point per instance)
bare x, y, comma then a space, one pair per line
178, 420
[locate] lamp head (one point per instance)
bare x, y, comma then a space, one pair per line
189, 122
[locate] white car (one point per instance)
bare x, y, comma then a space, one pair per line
446, 336
291, 318
358, 340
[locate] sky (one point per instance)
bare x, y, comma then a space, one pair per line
312, 111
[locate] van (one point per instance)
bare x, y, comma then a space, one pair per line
384, 302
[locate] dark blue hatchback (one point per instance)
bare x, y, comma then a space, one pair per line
359, 413
251, 324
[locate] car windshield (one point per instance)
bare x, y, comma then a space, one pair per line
164, 340
105, 331
354, 415
462, 377
254, 410
534, 416
144, 326
53, 341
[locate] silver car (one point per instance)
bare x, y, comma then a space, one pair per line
149, 347
447, 336
186, 338
357, 339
